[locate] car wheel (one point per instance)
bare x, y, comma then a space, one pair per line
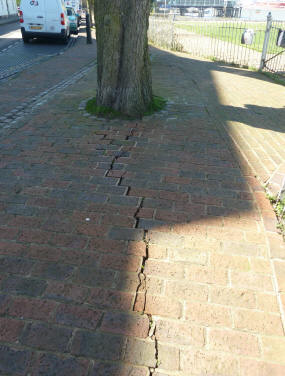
25, 39
66, 39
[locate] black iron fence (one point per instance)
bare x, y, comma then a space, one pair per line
251, 44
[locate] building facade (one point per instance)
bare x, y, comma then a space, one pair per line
8, 8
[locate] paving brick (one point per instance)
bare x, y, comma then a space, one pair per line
140, 352
126, 263
168, 357
226, 261
137, 248
79, 258
162, 269
33, 236
127, 281
234, 342
14, 361
131, 325
204, 274
110, 299
107, 245
259, 322
51, 364
94, 277
118, 220
66, 292
11, 248
233, 297
253, 281
208, 314
23, 286
245, 249
200, 362
249, 367
117, 233
259, 265
156, 305
180, 333
187, 291
188, 255
52, 271
8, 233
124, 200
145, 213
273, 349
68, 241
118, 369
91, 229
46, 337
267, 302
97, 346
77, 316
10, 330
44, 253
27, 308
277, 246
148, 224
15, 265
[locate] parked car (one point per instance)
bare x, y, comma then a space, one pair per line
44, 19
73, 20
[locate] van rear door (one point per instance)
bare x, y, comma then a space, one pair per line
34, 15
53, 16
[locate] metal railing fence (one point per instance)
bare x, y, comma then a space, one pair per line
220, 40
275, 57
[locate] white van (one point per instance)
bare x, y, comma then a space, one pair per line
44, 19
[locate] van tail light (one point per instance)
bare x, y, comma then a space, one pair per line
21, 16
62, 20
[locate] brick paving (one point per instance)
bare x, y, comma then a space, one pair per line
143, 247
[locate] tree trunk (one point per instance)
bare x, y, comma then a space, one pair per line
124, 76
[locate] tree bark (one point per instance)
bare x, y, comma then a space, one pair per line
124, 75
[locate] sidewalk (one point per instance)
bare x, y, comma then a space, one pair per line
146, 247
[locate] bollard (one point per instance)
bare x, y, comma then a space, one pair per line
88, 30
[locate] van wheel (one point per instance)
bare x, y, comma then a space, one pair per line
26, 40
65, 40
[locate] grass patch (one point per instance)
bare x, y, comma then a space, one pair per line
274, 77
232, 32
157, 104
107, 112
278, 204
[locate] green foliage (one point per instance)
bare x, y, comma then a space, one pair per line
231, 32
279, 208
157, 104
278, 79
106, 112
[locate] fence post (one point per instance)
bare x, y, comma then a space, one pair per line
266, 40
88, 30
